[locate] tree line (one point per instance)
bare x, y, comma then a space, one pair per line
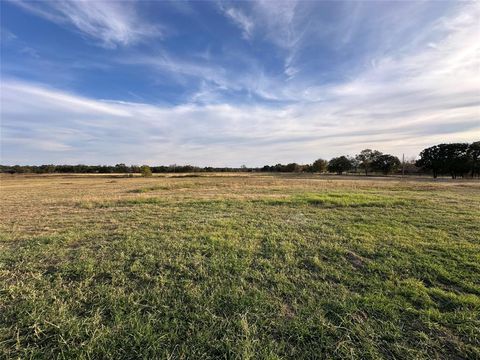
455, 160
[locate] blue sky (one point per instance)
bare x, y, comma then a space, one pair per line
232, 83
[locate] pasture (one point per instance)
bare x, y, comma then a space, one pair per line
239, 266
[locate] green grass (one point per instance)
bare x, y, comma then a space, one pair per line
337, 271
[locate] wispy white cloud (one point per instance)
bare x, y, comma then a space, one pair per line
8, 38
400, 100
111, 23
281, 21
243, 21
93, 131
213, 77
417, 76
175, 66
6, 35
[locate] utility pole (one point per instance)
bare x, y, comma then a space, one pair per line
403, 166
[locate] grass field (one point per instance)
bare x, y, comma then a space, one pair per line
239, 267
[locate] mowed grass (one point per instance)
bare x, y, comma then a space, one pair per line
239, 267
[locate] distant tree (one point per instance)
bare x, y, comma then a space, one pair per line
355, 163
452, 159
145, 171
277, 167
307, 168
430, 159
366, 158
48, 169
456, 159
339, 165
385, 163
136, 169
319, 165
18, 169
121, 168
474, 157
293, 167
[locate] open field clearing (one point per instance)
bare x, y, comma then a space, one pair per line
239, 267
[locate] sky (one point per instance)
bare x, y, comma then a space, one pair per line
234, 83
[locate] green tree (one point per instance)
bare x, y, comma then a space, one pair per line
293, 167
452, 159
319, 165
121, 168
430, 160
145, 171
385, 163
474, 155
456, 159
366, 158
339, 165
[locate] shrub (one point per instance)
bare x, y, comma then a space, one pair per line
145, 171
